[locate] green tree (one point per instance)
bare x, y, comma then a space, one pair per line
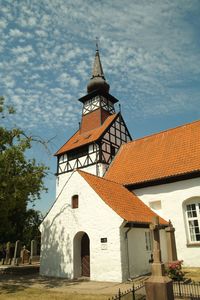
21, 179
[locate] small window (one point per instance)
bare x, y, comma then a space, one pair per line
75, 201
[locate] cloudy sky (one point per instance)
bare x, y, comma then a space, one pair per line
150, 51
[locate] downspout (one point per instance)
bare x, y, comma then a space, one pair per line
126, 237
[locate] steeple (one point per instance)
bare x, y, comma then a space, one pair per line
97, 81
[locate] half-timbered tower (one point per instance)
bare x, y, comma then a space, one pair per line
101, 132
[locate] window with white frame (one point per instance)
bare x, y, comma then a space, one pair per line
193, 220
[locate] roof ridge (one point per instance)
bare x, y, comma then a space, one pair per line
87, 173
163, 131
115, 182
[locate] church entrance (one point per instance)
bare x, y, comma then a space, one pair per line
85, 255
81, 255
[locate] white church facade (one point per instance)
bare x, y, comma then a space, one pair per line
109, 188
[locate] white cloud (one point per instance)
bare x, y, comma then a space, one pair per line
23, 58
3, 23
48, 51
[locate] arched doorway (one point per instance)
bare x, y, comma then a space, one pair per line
85, 255
81, 256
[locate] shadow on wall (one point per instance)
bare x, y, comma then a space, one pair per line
56, 254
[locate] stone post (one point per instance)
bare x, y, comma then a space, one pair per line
171, 243
8, 254
34, 257
33, 248
17, 253
158, 286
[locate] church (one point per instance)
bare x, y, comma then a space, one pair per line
108, 189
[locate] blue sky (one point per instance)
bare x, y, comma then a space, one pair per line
150, 51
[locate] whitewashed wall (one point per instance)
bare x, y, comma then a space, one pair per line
138, 255
94, 169
171, 197
93, 217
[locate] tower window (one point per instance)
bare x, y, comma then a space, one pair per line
76, 153
75, 201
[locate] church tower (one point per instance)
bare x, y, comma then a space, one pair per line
101, 132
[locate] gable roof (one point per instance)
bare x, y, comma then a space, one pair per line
167, 154
126, 204
78, 139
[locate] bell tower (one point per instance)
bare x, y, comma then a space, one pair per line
101, 133
98, 104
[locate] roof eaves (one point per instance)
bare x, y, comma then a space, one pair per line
57, 152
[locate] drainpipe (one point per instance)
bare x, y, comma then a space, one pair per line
126, 236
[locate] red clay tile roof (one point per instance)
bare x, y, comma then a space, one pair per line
88, 137
169, 153
126, 204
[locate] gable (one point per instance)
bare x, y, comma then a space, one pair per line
173, 153
116, 135
62, 215
126, 204
79, 140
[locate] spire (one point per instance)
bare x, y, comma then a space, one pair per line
97, 67
97, 81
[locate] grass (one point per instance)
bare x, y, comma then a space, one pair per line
43, 294
192, 273
22, 288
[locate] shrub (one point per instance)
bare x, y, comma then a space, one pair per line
174, 270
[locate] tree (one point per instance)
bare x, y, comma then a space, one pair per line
21, 179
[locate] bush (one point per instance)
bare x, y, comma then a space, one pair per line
174, 270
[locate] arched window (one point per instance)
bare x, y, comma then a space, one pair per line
192, 213
75, 201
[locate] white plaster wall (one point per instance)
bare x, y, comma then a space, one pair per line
63, 178
93, 217
172, 197
138, 255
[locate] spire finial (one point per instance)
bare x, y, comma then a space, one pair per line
97, 43
97, 81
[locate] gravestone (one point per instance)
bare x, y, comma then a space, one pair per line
34, 257
8, 253
33, 248
16, 258
158, 286
25, 255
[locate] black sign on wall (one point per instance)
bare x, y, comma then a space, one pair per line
103, 240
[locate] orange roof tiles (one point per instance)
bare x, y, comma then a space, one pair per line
169, 153
126, 204
90, 136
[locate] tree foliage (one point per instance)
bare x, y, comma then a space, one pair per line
21, 179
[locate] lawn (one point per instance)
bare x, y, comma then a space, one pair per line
192, 273
44, 294
28, 288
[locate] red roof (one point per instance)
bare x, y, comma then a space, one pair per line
81, 139
169, 153
126, 204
